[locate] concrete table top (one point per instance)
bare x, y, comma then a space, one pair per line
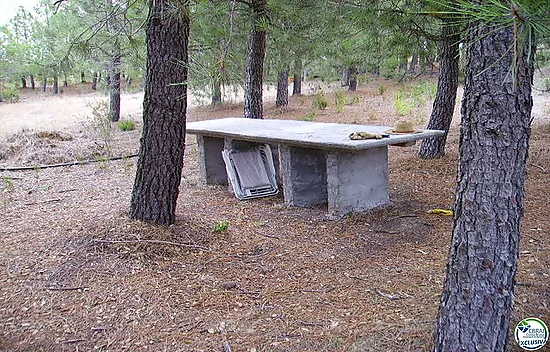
319, 135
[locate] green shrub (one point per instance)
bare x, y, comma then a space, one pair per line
309, 116
382, 89
402, 104
126, 125
339, 101
221, 226
99, 121
320, 102
10, 93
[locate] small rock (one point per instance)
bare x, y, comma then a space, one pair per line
229, 285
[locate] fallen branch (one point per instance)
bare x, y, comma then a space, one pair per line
71, 163
388, 296
152, 241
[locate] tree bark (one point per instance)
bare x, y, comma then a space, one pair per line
253, 105
23, 82
33, 85
477, 298
55, 84
44, 84
160, 162
282, 89
114, 88
352, 78
447, 85
94, 81
216, 90
297, 82
82, 77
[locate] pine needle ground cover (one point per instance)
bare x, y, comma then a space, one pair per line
77, 274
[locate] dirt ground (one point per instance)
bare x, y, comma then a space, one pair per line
76, 274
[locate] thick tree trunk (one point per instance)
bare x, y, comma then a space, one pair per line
479, 288
160, 162
23, 82
114, 88
297, 82
445, 98
33, 84
253, 106
82, 77
282, 89
94, 81
352, 78
55, 85
44, 84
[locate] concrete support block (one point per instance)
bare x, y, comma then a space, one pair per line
211, 163
304, 175
357, 181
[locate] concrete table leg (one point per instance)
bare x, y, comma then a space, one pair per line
211, 163
304, 175
357, 181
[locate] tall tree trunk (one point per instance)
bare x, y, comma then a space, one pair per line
282, 89
413, 65
345, 77
44, 84
216, 90
297, 82
94, 81
253, 106
114, 88
352, 78
447, 85
33, 84
55, 84
23, 82
477, 298
82, 77
160, 162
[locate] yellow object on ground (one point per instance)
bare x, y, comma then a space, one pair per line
441, 211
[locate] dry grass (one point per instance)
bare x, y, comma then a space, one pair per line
278, 279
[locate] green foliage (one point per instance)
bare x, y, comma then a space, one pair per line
423, 91
221, 226
126, 125
340, 100
100, 123
320, 102
355, 100
8, 184
403, 105
310, 116
382, 89
10, 93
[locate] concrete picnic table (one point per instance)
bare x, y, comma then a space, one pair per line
319, 163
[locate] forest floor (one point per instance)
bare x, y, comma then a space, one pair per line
277, 279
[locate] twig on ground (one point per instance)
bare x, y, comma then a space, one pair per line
402, 216
73, 341
544, 171
44, 201
153, 242
227, 346
388, 296
66, 288
308, 323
